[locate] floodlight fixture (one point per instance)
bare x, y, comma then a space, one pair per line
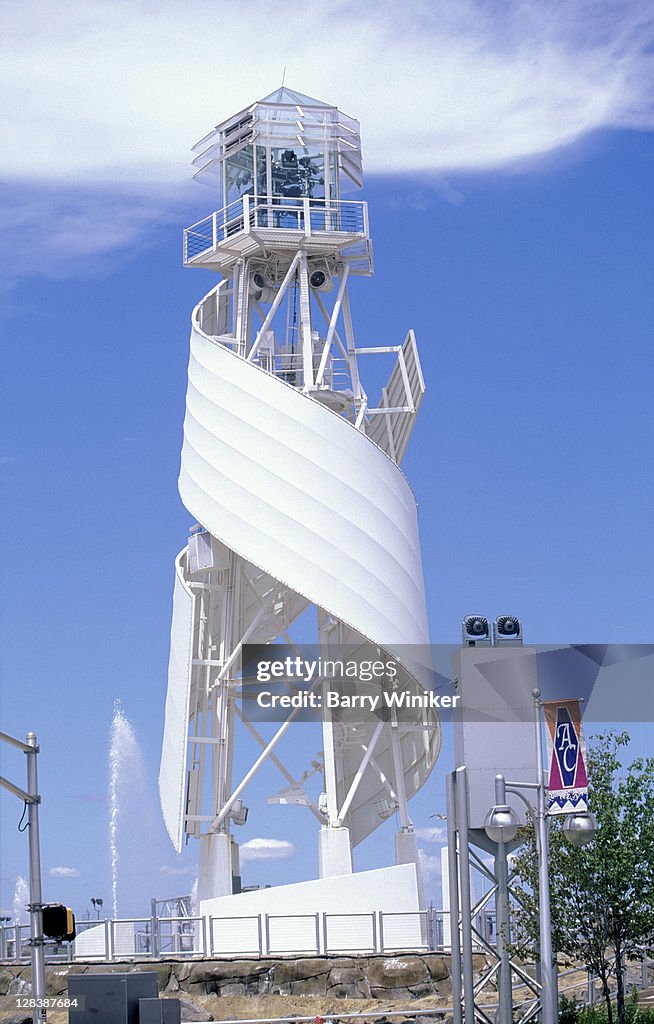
507, 629
320, 275
238, 812
318, 279
476, 631
257, 282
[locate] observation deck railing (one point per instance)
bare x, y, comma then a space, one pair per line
252, 213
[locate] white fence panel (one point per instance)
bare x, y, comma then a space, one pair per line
404, 931
351, 933
293, 933
234, 935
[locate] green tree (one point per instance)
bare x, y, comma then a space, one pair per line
602, 895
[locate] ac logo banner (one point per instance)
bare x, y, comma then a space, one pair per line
566, 754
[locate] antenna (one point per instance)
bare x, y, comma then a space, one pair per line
283, 76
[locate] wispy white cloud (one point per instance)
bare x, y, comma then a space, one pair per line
430, 865
266, 849
64, 872
432, 834
63, 231
116, 91
174, 869
103, 101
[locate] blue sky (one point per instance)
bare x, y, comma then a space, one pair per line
509, 161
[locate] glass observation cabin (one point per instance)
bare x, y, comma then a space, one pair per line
284, 235
282, 167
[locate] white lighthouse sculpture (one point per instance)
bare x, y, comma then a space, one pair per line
291, 471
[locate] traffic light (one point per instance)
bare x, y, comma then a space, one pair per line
58, 922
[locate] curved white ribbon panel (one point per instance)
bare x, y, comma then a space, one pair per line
310, 503
295, 489
172, 771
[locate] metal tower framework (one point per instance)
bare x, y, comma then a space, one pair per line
292, 473
502, 972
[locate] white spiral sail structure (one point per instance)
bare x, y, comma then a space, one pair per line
292, 474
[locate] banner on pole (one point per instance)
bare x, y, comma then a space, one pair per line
566, 755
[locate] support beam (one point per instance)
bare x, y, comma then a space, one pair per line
276, 761
288, 277
305, 324
337, 337
453, 881
249, 775
461, 777
365, 761
398, 769
332, 324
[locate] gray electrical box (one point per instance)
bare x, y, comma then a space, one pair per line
160, 1011
110, 998
206, 552
494, 727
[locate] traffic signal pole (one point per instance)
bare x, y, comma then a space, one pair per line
32, 799
36, 895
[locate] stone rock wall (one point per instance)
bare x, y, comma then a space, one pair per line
402, 977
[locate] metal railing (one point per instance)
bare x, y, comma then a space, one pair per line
158, 937
164, 934
289, 366
180, 936
253, 213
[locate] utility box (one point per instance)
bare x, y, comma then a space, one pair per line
494, 727
110, 998
205, 553
160, 1011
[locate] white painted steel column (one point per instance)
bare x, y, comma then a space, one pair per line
502, 919
453, 883
305, 324
461, 790
36, 897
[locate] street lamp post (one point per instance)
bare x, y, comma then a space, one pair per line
549, 1010
495, 815
578, 829
501, 827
